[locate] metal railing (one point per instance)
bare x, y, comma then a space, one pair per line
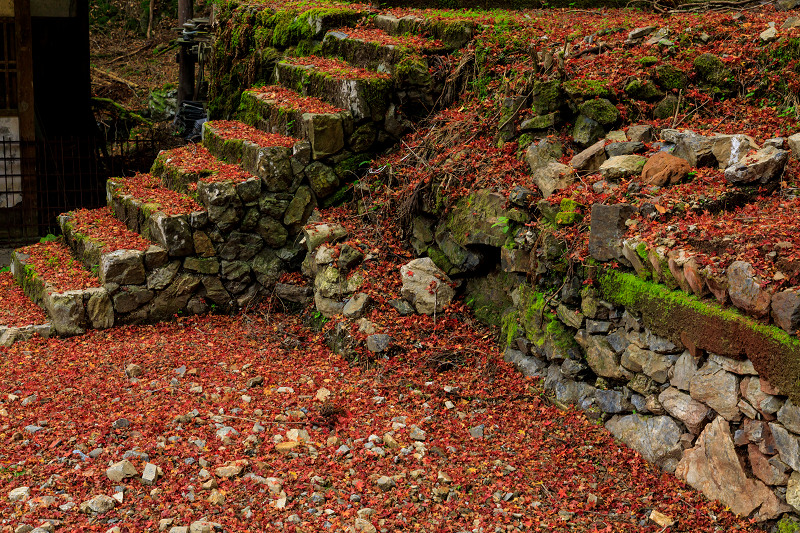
68, 173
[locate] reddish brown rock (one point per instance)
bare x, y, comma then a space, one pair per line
786, 310
664, 168
713, 468
744, 288
764, 467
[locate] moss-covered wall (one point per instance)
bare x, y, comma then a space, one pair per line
684, 319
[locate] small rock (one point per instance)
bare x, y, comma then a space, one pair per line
20, 494
385, 483
98, 505
379, 342
416, 434
133, 371
121, 470
476, 432
661, 519
232, 469
150, 474
255, 381
322, 394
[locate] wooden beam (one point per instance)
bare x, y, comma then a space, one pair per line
27, 117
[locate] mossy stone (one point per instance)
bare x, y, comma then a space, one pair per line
586, 131
712, 72
643, 90
666, 107
540, 122
669, 77
546, 97
601, 111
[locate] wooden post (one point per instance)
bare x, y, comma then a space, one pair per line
27, 118
185, 59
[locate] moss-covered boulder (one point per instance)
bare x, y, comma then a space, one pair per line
643, 90
547, 97
712, 73
669, 77
601, 111
666, 107
482, 219
587, 131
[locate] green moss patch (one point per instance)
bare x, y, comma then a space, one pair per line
685, 319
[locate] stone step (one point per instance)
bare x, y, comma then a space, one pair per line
269, 156
180, 169
277, 109
283, 164
366, 94
290, 26
70, 294
104, 245
453, 33
404, 57
156, 213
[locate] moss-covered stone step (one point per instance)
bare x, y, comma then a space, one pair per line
105, 246
295, 26
366, 94
405, 57
269, 156
277, 109
72, 296
452, 33
181, 168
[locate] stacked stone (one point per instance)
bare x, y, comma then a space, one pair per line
690, 412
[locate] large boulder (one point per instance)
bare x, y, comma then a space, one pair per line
730, 149
763, 166
656, 438
622, 166
712, 73
714, 468
425, 286
601, 111
664, 169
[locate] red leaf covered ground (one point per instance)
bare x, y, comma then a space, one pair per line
537, 469
16, 309
53, 262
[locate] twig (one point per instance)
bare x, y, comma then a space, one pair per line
677, 108
132, 86
147, 44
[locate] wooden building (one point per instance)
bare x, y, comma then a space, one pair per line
46, 123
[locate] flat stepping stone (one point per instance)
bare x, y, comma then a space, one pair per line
365, 93
181, 168
277, 109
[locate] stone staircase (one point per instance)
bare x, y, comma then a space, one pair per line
213, 227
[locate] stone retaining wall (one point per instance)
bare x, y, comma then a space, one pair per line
709, 418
